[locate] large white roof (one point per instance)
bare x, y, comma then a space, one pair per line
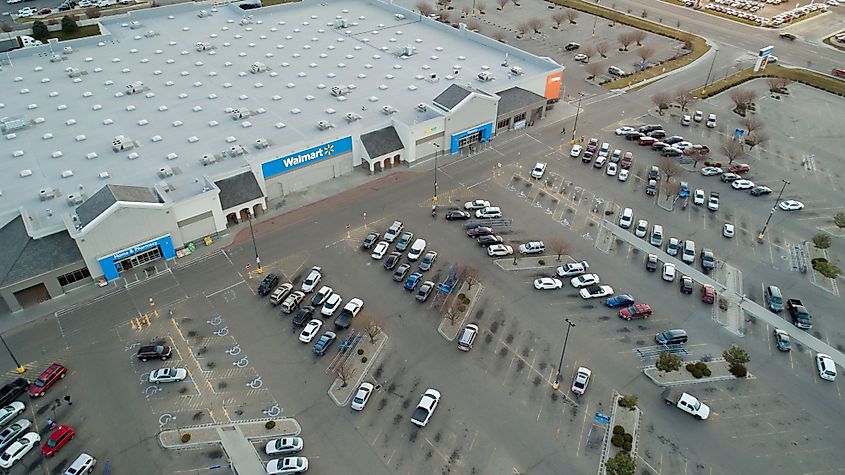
183, 111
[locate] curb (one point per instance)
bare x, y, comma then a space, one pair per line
366, 369
499, 263
215, 426
687, 382
463, 320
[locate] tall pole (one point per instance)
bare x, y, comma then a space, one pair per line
713, 63
434, 197
762, 234
254, 245
569, 325
577, 111
20, 367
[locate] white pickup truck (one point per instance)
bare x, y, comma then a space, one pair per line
687, 403
393, 231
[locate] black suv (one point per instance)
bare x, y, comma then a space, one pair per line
457, 214
392, 260
303, 315
370, 240
571, 46
11, 391
154, 352
268, 284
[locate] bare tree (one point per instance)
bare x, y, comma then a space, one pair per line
481, 6
661, 100
759, 137
498, 35
625, 39
373, 330
473, 25
684, 97
502, 4
559, 247
344, 373
589, 52
572, 15
536, 24
7, 28
699, 157
752, 124
670, 189
602, 48
445, 17
645, 53
742, 98
92, 12
522, 28
639, 36
469, 273
558, 18
593, 69
732, 150
466, 10
669, 167
451, 315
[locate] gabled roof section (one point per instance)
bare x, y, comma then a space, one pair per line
238, 189
108, 195
24, 257
381, 142
452, 96
517, 98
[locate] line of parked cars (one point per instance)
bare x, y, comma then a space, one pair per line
416, 252
289, 463
617, 163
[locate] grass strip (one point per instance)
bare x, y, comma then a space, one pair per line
804, 76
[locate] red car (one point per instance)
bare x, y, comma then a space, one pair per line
647, 140
739, 168
57, 440
635, 311
839, 72
48, 378
708, 294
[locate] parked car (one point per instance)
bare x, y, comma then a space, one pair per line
782, 340
826, 367
311, 281
425, 409
572, 46
310, 330
392, 260
18, 449
499, 250
287, 465
686, 284
404, 241
370, 240
698, 116
280, 293
547, 283
575, 152
532, 247
321, 296
642, 228
622, 300
479, 231
538, 170
651, 262
572, 269
742, 184
760, 190
668, 272
284, 446
12, 432
476, 204
457, 214
581, 380
626, 218
739, 168
698, 197
158, 352
596, 291
12, 390
268, 283
47, 379
58, 438
584, 280
791, 205
635, 311
8, 413
324, 343
708, 294
400, 272
487, 240
380, 250
673, 246
412, 281
428, 260
292, 301
710, 171
168, 375
359, 402
393, 231
467, 337
331, 305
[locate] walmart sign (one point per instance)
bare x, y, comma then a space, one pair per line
305, 157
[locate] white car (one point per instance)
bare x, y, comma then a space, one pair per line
673, 246
575, 151
624, 130
668, 272
12, 2
538, 170
611, 169
685, 120
682, 145
476, 204
428, 403
331, 305
499, 250
284, 446
791, 205
310, 282
691, 405
596, 291
359, 402
604, 151
287, 465
742, 184
698, 197
168, 375
581, 380
310, 331
641, 229
728, 230
826, 367
585, 280
10, 412
11, 433
572, 269
380, 250
547, 283
623, 175
26, 12
580, 57
626, 219
532, 247
18, 449
711, 171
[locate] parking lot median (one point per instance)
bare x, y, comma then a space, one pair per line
718, 372
459, 310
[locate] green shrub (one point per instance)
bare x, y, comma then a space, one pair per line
696, 373
617, 429
186, 438
627, 446
462, 308
739, 370
461, 296
617, 440
668, 362
629, 401
541, 262
701, 365
707, 372
69, 24
270, 424
690, 367
628, 438
363, 359
39, 30
360, 351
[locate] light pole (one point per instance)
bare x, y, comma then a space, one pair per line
20, 367
577, 112
254, 245
569, 326
434, 198
713, 63
762, 234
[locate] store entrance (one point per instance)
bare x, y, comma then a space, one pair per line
470, 139
138, 259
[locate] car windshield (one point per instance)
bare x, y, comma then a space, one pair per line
696, 406
52, 443
40, 383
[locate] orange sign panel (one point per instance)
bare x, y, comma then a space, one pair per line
553, 85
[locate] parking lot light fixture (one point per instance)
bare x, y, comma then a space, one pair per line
436, 152
577, 111
569, 325
20, 368
260, 270
762, 234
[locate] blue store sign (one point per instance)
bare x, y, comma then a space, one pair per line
109, 263
305, 157
485, 129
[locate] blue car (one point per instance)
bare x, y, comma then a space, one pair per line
324, 343
620, 301
412, 281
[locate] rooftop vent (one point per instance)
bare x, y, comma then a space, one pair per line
341, 23
324, 124
339, 90
261, 143
485, 76
422, 107
257, 67
388, 109
352, 117
47, 194
517, 71
136, 87
74, 199
207, 160
122, 143
242, 113
165, 172
203, 46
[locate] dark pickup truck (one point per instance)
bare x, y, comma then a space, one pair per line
801, 318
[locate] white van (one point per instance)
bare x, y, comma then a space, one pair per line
488, 212
689, 252
416, 250
83, 464
711, 121
656, 238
